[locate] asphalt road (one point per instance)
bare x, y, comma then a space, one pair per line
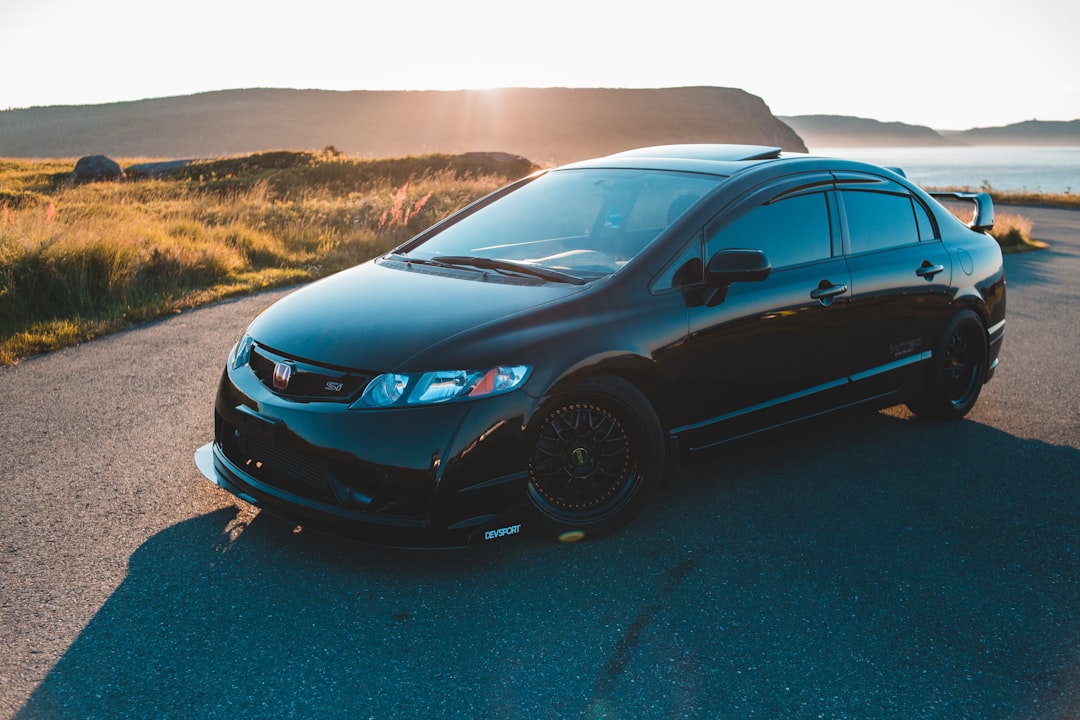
868, 565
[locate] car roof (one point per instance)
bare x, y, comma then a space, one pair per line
715, 159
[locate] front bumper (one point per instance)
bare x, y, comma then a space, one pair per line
385, 531
440, 476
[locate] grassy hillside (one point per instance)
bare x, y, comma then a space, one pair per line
79, 261
548, 125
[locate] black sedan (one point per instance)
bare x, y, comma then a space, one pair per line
538, 360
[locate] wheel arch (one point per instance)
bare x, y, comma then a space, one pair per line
639, 370
969, 299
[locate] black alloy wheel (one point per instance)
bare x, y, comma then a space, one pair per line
957, 370
597, 455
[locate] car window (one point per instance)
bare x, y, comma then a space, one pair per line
662, 200
686, 268
926, 226
877, 220
587, 222
790, 231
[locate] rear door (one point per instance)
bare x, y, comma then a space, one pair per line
900, 280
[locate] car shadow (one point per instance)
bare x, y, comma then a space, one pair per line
869, 564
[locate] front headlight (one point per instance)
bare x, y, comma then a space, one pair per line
241, 352
441, 386
385, 390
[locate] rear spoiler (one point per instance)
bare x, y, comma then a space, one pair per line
982, 220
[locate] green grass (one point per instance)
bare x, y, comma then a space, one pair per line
80, 261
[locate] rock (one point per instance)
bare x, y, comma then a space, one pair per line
96, 168
155, 169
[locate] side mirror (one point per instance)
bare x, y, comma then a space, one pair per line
728, 266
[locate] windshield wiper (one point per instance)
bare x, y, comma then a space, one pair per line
500, 265
417, 261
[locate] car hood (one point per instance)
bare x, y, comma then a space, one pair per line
373, 317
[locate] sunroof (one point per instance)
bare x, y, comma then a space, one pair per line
705, 152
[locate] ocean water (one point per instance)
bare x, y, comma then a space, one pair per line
1035, 169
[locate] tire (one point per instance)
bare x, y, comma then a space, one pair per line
957, 370
597, 455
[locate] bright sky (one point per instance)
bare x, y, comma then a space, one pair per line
949, 64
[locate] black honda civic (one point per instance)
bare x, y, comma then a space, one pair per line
539, 361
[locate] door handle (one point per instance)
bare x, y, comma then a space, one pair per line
826, 291
928, 270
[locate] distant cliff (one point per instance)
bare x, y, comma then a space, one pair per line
548, 126
1031, 132
829, 131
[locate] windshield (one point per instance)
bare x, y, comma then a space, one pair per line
587, 223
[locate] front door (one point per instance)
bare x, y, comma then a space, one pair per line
775, 348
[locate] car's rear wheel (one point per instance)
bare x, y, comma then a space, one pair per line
957, 370
597, 455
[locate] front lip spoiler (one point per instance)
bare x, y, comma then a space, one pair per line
204, 460
215, 468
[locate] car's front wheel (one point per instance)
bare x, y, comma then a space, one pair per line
957, 370
597, 455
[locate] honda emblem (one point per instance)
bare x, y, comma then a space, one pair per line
283, 372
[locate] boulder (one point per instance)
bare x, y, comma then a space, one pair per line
96, 168
162, 168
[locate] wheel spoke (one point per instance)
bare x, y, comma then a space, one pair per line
581, 459
961, 368
956, 370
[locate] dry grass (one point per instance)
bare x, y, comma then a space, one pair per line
1011, 230
1068, 200
79, 261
